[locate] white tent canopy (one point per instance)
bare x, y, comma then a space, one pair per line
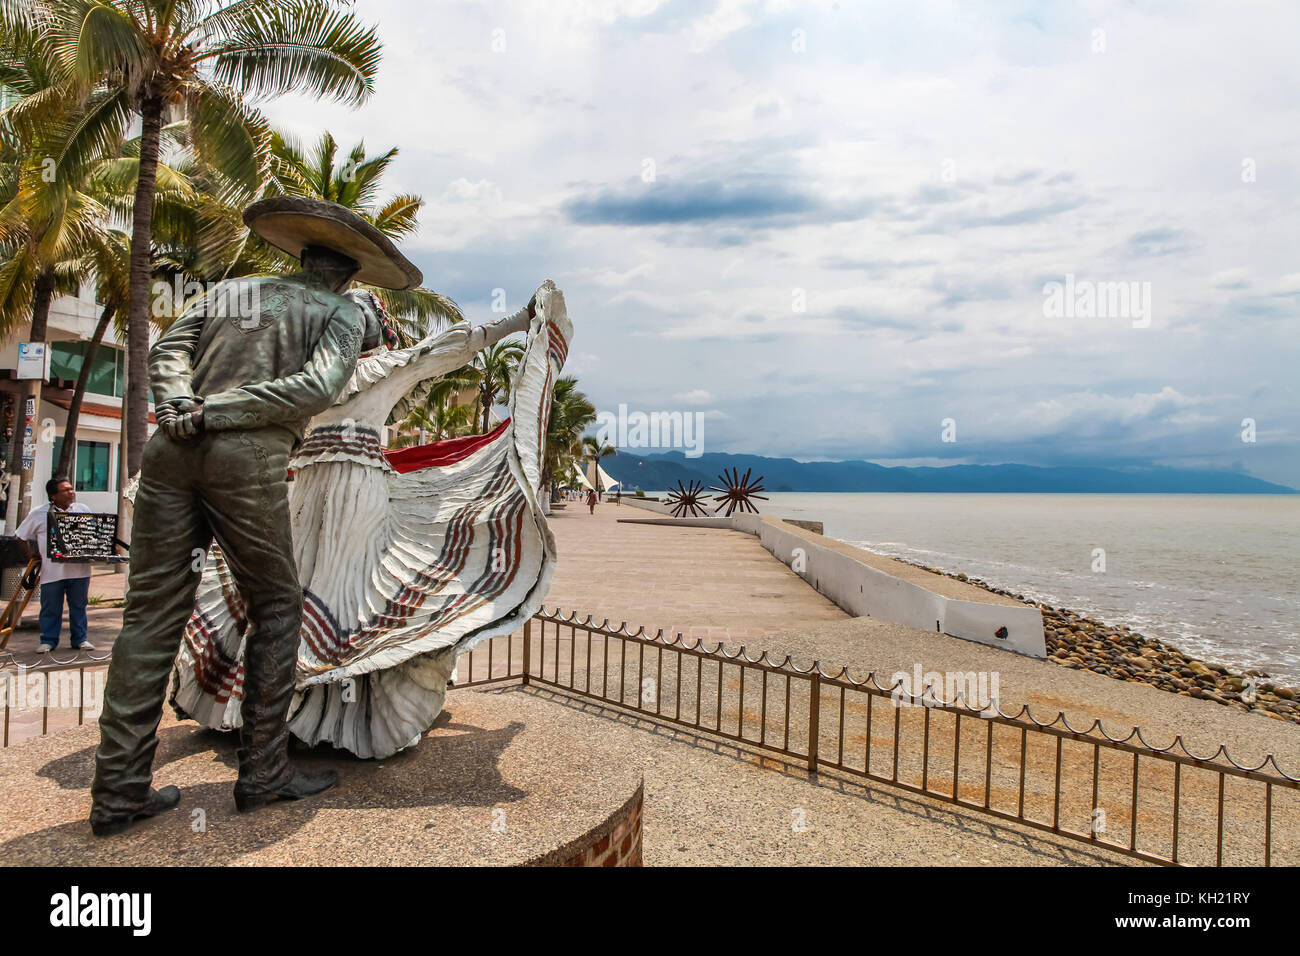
606, 483
579, 478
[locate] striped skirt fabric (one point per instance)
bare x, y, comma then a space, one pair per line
407, 559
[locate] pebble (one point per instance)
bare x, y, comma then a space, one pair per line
1081, 643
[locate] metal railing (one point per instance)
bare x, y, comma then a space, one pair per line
27, 688
1165, 805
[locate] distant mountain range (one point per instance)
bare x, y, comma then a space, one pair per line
659, 472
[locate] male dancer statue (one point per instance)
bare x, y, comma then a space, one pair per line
235, 381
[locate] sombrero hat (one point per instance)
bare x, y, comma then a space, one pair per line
292, 223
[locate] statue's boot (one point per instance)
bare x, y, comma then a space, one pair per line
157, 802
302, 785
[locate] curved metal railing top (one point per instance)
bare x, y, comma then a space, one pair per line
958, 704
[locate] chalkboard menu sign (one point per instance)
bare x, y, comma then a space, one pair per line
81, 536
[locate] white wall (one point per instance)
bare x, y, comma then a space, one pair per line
89, 428
865, 591
73, 319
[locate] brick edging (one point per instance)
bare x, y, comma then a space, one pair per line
616, 841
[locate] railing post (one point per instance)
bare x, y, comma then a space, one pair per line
528, 633
814, 715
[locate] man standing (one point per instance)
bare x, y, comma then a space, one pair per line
235, 381
58, 579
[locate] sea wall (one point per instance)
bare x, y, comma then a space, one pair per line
836, 571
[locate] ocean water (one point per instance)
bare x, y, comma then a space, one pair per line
1215, 575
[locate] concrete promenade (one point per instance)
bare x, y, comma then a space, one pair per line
661, 576
713, 803
715, 585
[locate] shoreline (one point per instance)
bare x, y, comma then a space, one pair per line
1081, 642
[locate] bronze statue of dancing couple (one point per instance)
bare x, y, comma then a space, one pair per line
234, 389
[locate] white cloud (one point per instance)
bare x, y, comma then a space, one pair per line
951, 159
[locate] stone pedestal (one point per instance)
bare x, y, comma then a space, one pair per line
493, 783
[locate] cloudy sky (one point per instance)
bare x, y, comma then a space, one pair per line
828, 226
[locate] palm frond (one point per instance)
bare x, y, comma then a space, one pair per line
91, 39
397, 218
309, 46
116, 179
358, 180
320, 168
228, 135
222, 21
84, 136
17, 278
422, 310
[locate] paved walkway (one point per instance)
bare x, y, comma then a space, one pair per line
661, 576
709, 802
26, 716
704, 582
493, 783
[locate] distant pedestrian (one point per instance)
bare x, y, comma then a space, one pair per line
59, 580
618, 496
591, 501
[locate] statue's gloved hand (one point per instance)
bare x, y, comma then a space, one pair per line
180, 418
190, 425
166, 416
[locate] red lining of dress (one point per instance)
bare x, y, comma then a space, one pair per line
446, 452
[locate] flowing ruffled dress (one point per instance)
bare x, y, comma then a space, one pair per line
407, 559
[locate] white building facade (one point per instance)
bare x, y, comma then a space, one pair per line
72, 323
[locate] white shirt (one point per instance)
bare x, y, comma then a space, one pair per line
33, 526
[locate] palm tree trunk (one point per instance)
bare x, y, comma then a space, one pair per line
68, 455
42, 297
137, 334
123, 512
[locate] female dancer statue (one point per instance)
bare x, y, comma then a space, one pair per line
406, 559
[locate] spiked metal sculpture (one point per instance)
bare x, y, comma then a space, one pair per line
737, 492
685, 501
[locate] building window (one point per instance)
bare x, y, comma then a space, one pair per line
90, 470
105, 372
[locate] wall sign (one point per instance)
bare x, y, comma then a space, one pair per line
33, 360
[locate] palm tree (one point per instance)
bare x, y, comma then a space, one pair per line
202, 237
435, 422
593, 451
46, 224
496, 368
354, 182
110, 260
438, 417
54, 230
128, 57
571, 413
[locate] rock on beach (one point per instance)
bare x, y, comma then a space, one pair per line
1080, 642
